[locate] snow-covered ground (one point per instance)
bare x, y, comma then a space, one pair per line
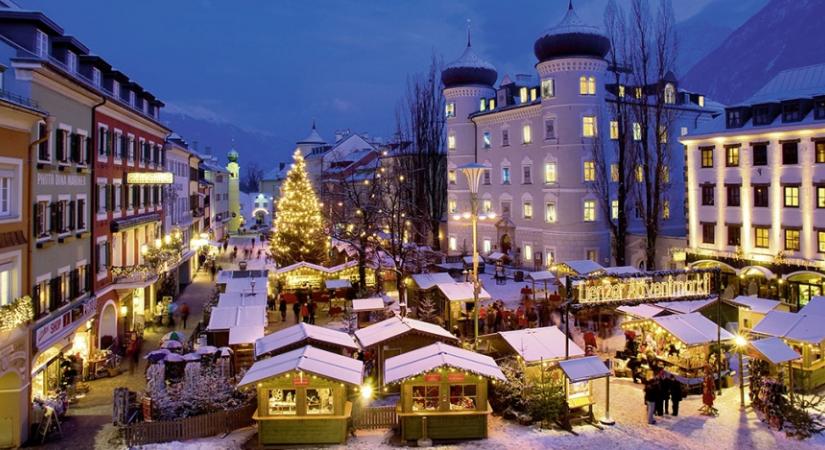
233, 441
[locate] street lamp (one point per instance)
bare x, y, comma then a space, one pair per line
741, 343
473, 172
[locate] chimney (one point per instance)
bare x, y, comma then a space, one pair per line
281, 166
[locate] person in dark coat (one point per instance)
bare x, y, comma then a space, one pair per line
282, 309
311, 306
296, 308
661, 392
651, 388
675, 388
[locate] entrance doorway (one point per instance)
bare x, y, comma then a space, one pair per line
12, 395
107, 330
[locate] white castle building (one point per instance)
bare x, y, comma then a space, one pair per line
537, 135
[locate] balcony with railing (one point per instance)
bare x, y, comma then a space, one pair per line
18, 99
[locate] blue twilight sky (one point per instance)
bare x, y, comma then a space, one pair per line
275, 65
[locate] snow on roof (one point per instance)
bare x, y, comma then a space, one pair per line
471, 60
461, 292
224, 276
540, 344
235, 298
584, 266
755, 304
429, 280
643, 311
368, 304
337, 284
396, 326
301, 264
307, 359
774, 350
224, 318
495, 256
621, 270
777, 323
302, 332
437, 355
686, 307
313, 138
542, 275
789, 84
816, 306
246, 285
583, 369
692, 329
245, 334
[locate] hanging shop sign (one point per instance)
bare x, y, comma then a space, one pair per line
150, 178
634, 289
65, 322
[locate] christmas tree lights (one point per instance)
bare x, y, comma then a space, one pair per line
299, 229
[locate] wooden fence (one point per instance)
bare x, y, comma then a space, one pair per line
375, 417
204, 425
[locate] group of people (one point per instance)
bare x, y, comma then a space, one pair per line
497, 317
662, 395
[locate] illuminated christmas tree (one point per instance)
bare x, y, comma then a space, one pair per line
299, 229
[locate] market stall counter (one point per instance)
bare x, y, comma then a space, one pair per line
443, 392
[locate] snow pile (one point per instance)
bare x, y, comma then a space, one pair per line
233, 441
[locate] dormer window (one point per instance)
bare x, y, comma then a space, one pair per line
96, 76
762, 115
492, 104
791, 112
819, 109
523, 94
71, 61
483, 105
41, 44
734, 118
670, 94
132, 100
701, 101
533, 94
115, 88
621, 90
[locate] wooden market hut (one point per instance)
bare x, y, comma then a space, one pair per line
303, 274
534, 348
751, 310
777, 353
805, 333
243, 281
578, 387
443, 392
235, 298
368, 310
425, 284
398, 335
301, 335
457, 302
302, 396
237, 327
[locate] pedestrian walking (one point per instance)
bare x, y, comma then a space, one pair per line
650, 399
304, 313
133, 353
212, 270
482, 318
311, 306
225, 245
252, 242
296, 308
282, 309
184, 313
170, 311
676, 395
661, 392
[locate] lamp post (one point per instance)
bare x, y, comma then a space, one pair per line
741, 343
473, 172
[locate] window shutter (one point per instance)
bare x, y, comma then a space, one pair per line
53, 216
88, 277
54, 294
37, 217
43, 148
109, 143
36, 300
88, 150
108, 254
81, 214
73, 284
109, 197
58, 144
72, 216
75, 145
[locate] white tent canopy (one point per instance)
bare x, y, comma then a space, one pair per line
807, 328
258, 284
426, 281
816, 306
397, 326
340, 283
583, 369
692, 329
437, 355
643, 311
686, 307
224, 318
774, 350
540, 344
303, 332
461, 292
307, 359
541, 275
755, 304
246, 334
368, 304
228, 299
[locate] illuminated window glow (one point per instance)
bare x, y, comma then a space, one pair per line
589, 210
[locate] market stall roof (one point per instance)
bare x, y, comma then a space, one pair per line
686, 307
621, 270
541, 275
236, 298
223, 276
246, 334
469, 260
368, 304
245, 284
495, 256
461, 292
692, 329
775, 350
437, 355
307, 359
397, 326
317, 267
755, 304
540, 344
426, 281
583, 369
303, 332
794, 326
815, 306
584, 266
224, 318
338, 284
643, 311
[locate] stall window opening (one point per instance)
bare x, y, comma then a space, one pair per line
319, 401
463, 397
283, 402
425, 398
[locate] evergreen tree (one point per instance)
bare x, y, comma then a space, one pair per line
299, 232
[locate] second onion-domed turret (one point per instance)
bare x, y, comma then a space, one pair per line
469, 68
570, 38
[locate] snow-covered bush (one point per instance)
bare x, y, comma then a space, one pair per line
203, 390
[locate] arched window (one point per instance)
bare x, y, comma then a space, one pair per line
591, 86
583, 85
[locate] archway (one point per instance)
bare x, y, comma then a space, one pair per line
107, 328
506, 244
804, 285
12, 395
